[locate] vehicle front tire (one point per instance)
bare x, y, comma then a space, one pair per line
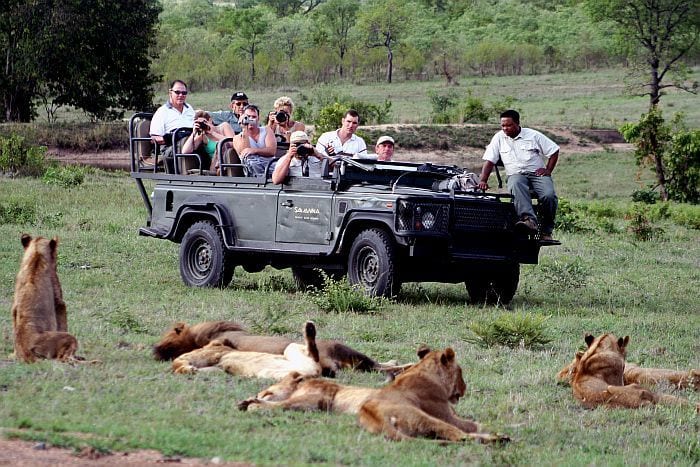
494, 286
204, 261
372, 263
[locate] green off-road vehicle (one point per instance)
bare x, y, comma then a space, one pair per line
379, 223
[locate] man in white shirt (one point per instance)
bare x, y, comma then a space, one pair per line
343, 141
383, 150
174, 114
529, 158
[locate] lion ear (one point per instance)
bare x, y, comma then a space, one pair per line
226, 342
447, 356
422, 351
179, 327
622, 342
589, 339
26, 239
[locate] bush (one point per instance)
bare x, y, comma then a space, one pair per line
340, 296
64, 176
682, 161
648, 196
571, 218
687, 216
511, 330
16, 213
18, 158
566, 273
640, 225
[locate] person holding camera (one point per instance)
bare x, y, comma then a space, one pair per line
301, 160
255, 145
280, 120
204, 137
343, 141
174, 114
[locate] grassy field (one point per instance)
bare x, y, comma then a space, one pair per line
123, 291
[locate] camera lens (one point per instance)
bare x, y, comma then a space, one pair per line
281, 116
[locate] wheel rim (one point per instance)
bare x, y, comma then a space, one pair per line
200, 259
368, 267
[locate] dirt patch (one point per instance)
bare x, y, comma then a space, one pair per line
29, 453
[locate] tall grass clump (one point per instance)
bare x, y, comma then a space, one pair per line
523, 330
565, 273
66, 176
640, 224
341, 296
17, 158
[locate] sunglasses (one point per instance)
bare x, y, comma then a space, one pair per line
179, 93
240, 103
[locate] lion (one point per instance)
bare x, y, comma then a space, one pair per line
599, 376
334, 355
221, 353
419, 403
300, 392
39, 320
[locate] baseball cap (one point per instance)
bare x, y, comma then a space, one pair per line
239, 96
385, 139
299, 137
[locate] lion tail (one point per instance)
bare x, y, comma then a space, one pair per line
310, 338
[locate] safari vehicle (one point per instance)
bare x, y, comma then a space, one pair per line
379, 223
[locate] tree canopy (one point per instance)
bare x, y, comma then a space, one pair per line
90, 54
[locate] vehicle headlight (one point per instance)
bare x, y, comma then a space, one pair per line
421, 217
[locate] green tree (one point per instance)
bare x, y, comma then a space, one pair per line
90, 54
383, 24
658, 34
248, 26
338, 17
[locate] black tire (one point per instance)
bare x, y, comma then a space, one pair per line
372, 265
204, 261
494, 287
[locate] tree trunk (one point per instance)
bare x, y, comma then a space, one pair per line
390, 57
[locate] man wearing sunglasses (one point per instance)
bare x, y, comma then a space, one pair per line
239, 101
176, 113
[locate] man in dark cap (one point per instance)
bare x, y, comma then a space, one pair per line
238, 102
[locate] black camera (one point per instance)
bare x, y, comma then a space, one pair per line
281, 116
303, 150
203, 126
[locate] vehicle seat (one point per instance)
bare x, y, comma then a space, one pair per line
230, 165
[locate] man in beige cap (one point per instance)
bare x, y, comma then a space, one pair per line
301, 160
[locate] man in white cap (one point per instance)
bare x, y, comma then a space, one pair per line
301, 160
384, 148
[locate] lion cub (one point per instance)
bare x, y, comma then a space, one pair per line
419, 403
598, 376
39, 320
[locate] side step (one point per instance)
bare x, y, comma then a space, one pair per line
153, 232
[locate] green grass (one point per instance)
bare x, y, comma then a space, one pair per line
123, 290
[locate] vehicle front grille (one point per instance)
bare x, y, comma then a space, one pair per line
494, 217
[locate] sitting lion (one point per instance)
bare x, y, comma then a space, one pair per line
334, 355
599, 376
220, 353
39, 321
418, 403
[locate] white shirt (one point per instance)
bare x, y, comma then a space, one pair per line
167, 118
524, 153
314, 167
355, 145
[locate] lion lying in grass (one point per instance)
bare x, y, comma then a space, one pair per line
419, 403
39, 321
333, 355
221, 354
600, 376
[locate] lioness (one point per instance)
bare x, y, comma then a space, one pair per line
598, 376
220, 353
418, 403
39, 321
334, 355
299, 392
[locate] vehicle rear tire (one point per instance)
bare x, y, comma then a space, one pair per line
204, 261
495, 286
372, 265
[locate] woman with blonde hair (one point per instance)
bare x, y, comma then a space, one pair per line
280, 120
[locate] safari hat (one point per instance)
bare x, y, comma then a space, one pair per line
299, 137
385, 139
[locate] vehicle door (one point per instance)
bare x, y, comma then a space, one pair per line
304, 211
